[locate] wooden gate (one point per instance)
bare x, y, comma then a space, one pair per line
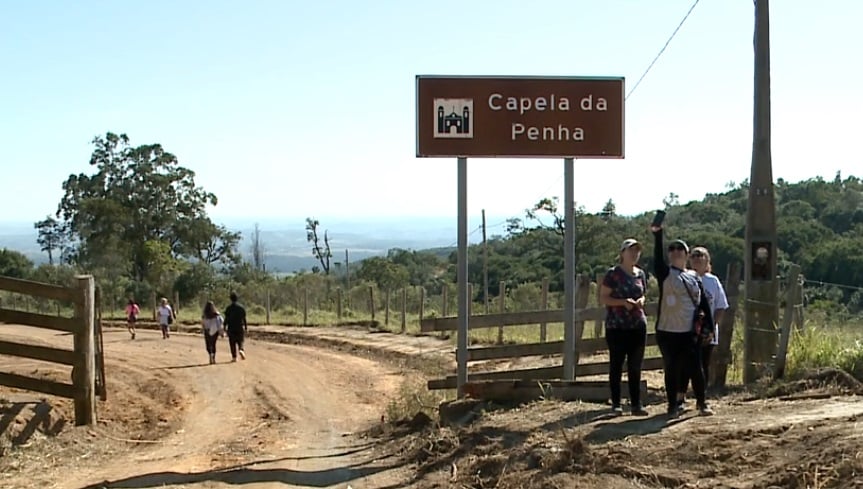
82, 358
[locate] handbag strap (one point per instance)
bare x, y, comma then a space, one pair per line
689, 292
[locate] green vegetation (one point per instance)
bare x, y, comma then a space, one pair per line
139, 224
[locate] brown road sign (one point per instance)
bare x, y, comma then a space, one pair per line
461, 116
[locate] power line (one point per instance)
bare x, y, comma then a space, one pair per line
822, 284
662, 50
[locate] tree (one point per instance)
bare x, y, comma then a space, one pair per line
257, 249
609, 210
671, 200
138, 196
52, 236
14, 264
322, 253
387, 274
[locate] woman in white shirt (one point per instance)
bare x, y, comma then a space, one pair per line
699, 261
212, 326
166, 317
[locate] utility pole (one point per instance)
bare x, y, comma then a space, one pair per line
348, 277
484, 264
762, 286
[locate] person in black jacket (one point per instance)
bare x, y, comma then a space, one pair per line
236, 326
681, 301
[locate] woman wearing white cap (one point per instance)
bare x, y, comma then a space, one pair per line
622, 293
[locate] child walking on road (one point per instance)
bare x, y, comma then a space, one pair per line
132, 311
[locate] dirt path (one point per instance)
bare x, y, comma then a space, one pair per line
285, 417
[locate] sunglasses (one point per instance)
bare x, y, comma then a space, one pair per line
676, 248
697, 254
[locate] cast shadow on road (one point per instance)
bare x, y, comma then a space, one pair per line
605, 432
177, 367
248, 474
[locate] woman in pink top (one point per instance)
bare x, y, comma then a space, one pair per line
132, 311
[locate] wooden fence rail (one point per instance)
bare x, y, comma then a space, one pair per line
82, 358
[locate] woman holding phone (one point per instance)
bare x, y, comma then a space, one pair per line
681, 301
622, 293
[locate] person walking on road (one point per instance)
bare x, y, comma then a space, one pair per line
132, 311
236, 326
212, 326
166, 317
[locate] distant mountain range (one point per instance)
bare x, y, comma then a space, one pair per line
285, 247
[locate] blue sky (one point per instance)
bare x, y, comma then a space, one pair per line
291, 109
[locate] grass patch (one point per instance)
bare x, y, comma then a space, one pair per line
824, 347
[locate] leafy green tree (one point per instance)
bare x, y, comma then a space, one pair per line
52, 236
14, 264
138, 196
385, 272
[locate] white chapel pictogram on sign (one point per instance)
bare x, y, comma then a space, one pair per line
453, 118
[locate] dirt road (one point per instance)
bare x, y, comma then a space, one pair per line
288, 416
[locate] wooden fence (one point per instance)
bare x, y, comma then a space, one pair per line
584, 347
82, 358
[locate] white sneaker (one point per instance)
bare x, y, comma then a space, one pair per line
242, 354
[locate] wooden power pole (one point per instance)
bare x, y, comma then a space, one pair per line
762, 286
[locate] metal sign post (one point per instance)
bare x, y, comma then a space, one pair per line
463, 299
569, 270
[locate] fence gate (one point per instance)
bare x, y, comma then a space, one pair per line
82, 358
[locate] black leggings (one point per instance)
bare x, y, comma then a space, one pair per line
210, 342
705, 352
625, 344
681, 358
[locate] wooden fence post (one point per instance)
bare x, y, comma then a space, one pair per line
798, 308
597, 326
582, 295
372, 301
422, 302
268, 306
84, 371
469, 299
543, 327
444, 301
404, 308
785, 331
176, 305
305, 306
155, 306
502, 306
339, 303
387, 309
722, 359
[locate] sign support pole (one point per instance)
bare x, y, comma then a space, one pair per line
463, 299
569, 271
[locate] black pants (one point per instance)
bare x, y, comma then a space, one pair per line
681, 358
235, 341
705, 352
210, 342
625, 344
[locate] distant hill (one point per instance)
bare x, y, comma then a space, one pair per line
285, 247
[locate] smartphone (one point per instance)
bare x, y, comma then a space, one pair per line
658, 218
